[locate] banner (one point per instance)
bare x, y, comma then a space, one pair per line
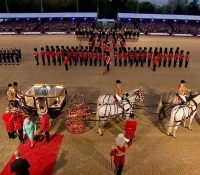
31, 33
55, 33
8, 33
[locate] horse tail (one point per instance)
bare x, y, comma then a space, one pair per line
160, 105
171, 123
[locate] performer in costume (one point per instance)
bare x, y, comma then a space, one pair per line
9, 125
182, 89
150, 55
130, 128
165, 57
170, 57
42, 53
181, 57
118, 151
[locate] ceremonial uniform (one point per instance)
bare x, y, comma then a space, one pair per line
45, 123
100, 57
118, 91
59, 56
9, 125
47, 53
187, 59
142, 58
19, 53
95, 57
36, 55
66, 62
108, 63
85, 57
175, 58
1, 57
17, 58
90, 55
42, 53
131, 58
165, 57
181, 57
181, 90
115, 57
118, 152
160, 57
120, 58
130, 127
150, 55
125, 55
18, 120
13, 56
6, 52
170, 57
53, 55
137, 58
155, 60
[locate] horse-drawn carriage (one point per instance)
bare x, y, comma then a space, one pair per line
51, 96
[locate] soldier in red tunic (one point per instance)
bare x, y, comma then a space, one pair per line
59, 56
53, 54
187, 59
150, 54
66, 61
7, 118
176, 55
131, 58
47, 53
118, 151
130, 127
42, 53
44, 123
137, 58
100, 56
181, 57
165, 57
170, 57
36, 55
142, 58
155, 59
125, 55
18, 119
115, 56
160, 57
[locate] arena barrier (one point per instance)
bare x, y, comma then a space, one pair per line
56, 33
182, 34
31, 33
8, 33
159, 34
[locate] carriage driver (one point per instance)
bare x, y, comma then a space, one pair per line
118, 91
182, 89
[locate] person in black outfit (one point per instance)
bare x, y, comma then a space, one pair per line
19, 166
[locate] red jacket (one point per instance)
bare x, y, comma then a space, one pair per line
130, 128
18, 121
155, 60
42, 54
187, 58
7, 118
44, 123
36, 55
66, 60
119, 153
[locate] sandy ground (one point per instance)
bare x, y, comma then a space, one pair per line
152, 152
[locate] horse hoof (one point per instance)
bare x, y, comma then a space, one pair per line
101, 134
168, 134
190, 129
174, 136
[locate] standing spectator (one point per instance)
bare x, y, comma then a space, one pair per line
66, 61
130, 127
118, 152
187, 59
19, 166
44, 123
36, 55
29, 128
155, 59
6, 116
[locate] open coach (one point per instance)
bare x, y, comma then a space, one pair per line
51, 96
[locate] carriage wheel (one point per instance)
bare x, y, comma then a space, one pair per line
75, 126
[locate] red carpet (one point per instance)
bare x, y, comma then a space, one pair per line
41, 158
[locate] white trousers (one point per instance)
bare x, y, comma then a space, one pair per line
183, 97
118, 98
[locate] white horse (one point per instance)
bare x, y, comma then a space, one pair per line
107, 111
136, 94
181, 113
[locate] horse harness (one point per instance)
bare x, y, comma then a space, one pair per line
190, 106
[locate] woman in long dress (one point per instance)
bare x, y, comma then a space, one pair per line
29, 129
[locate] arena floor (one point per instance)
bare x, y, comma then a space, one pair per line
152, 152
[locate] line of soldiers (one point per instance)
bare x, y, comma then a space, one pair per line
83, 55
10, 56
138, 56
